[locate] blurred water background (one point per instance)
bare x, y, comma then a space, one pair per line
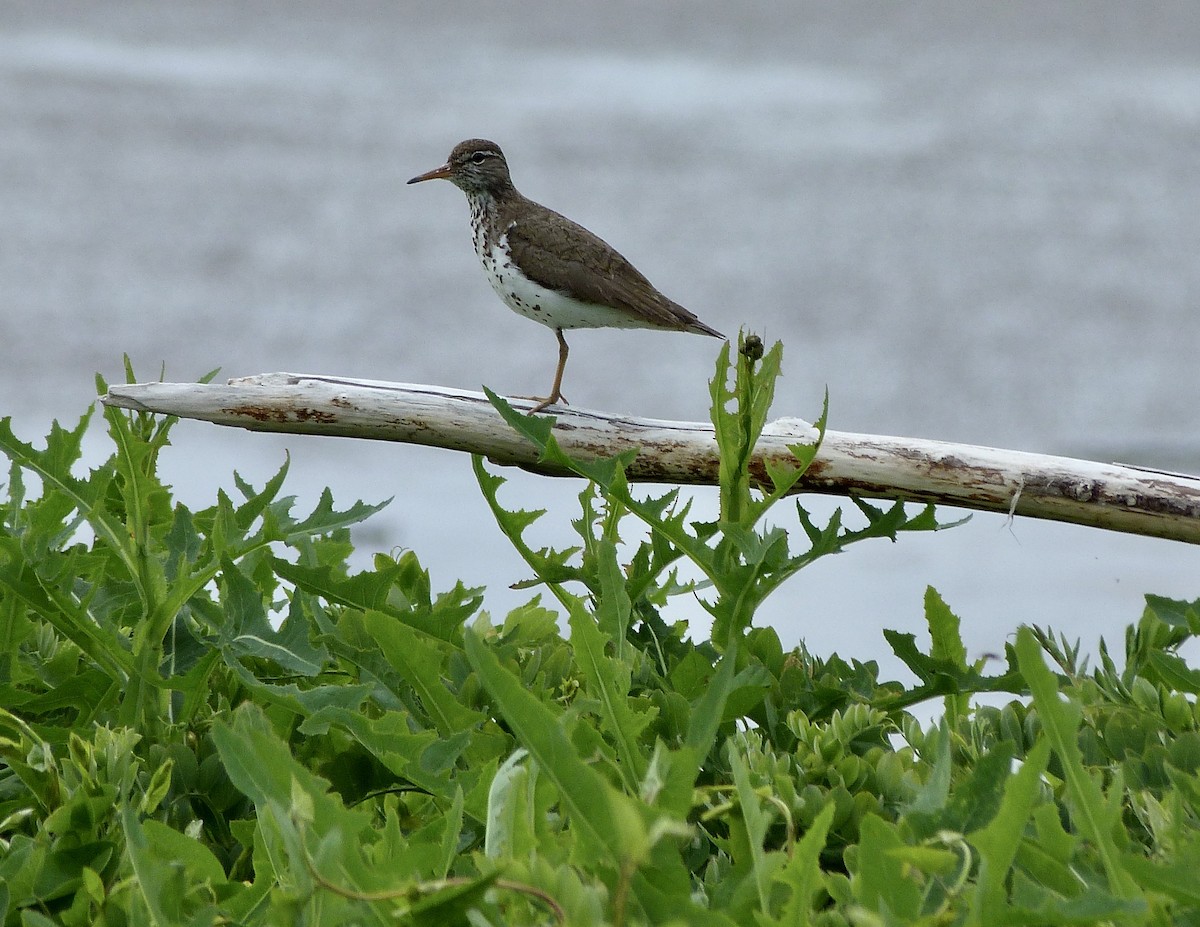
972, 222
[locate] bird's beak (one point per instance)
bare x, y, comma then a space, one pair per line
438, 173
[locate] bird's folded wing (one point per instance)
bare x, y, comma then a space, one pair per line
563, 256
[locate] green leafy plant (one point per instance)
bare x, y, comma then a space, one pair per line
209, 718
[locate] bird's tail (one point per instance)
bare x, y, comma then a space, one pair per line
699, 328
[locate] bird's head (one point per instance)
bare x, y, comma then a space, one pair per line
475, 166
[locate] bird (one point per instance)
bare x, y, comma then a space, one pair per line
547, 268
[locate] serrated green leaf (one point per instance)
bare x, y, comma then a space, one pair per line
536, 428
325, 518
420, 663
242, 605
550, 566
802, 872
53, 468
947, 646
1174, 672
1175, 612
261, 767
610, 476
257, 502
999, 840
1050, 853
934, 794
709, 710
390, 739
159, 886
613, 609
882, 882
1175, 878
588, 799
944, 630
1060, 721
169, 846
608, 682
757, 821
452, 823
59, 608
304, 701
292, 643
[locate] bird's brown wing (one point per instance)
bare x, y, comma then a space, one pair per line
563, 256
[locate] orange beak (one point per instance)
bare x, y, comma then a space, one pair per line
438, 173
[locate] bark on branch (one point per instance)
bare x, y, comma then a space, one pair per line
1111, 496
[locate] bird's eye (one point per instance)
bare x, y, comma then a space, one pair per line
478, 158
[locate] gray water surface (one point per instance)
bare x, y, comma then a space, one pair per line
977, 223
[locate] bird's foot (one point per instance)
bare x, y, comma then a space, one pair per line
543, 404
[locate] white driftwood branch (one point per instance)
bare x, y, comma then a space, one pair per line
1112, 496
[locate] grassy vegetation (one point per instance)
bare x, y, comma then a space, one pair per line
207, 718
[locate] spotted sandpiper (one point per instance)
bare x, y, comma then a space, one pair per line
548, 268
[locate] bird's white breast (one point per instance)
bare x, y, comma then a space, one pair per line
527, 298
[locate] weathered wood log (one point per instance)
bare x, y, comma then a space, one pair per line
1112, 496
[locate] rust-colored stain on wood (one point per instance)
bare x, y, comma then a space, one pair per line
314, 415
282, 416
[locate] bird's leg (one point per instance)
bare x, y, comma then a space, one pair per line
556, 389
